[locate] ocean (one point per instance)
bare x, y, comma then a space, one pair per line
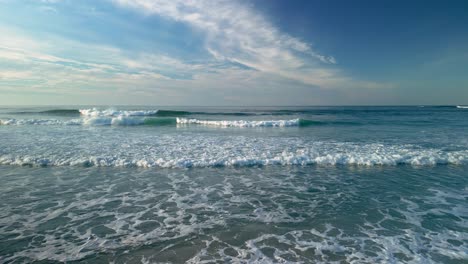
149, 184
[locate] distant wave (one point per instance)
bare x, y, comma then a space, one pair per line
92, 121
242, 123
94, 112
168, 113
53, 112
442, 106
263, 123
114, 112
157, 121
43, 122
187, 113
168, 121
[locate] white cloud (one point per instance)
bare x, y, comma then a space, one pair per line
82, 71
237, 33
49, 64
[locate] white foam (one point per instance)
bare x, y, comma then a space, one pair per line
116, 121
42, 122
175, 156
132, 119
94, 112
241, 123
89, 121
462, 106
180, 206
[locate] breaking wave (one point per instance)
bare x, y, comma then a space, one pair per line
162, 113
42, 122
113, 112
94, 112
128, 120
282, 159
181, 151
245, 123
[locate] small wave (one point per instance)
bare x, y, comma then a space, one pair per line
424, 158
128, 121
61, 112
159, 121
244, 123
263, 123
172, 113
42, 122
462, 106
94, 112
116, 121
92, 121
54, 112
226, 113
175, 113
305, 122
443, 106
167, 121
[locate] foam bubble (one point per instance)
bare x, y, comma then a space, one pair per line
234, 216
206, 154
241, 123
118, 121
89, 121
124, 118
43, 122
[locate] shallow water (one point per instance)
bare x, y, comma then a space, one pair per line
341, 184
273, 214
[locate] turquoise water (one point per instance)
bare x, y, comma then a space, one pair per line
307, 185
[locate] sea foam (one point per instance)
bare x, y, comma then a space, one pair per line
94, 112
179, 153
116, 121
42, 122
132, 120
241, 123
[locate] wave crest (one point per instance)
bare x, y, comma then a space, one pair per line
423, 158
94, 112
128, 120
241, 123
41, 122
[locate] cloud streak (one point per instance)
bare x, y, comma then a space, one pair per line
236, 33
248, 61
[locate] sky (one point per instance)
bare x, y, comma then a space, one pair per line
233, 52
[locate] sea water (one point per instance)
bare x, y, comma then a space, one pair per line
238, 184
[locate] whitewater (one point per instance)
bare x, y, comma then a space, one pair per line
147, 184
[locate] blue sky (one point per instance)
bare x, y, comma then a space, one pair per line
262, 52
